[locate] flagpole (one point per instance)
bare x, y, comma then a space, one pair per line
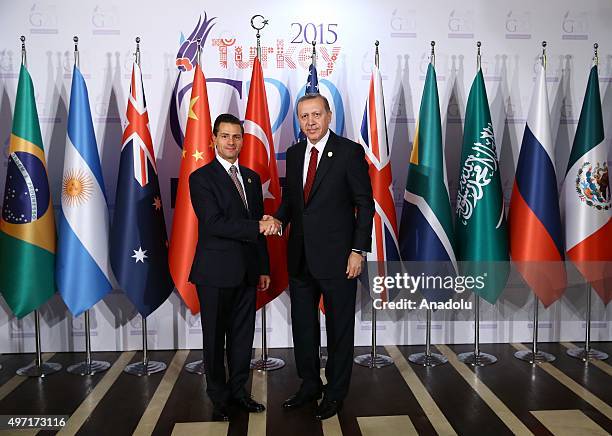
38, 368
587, 353
476, 358
265, 363
534, 355
372, 359
428, 358
147, 366
88, 366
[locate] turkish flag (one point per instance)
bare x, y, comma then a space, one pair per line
258, 154
197, 151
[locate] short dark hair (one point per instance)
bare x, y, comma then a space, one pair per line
227, 118
312, 96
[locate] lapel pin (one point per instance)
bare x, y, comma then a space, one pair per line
330, 154
249, 180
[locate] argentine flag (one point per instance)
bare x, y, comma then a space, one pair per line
83, 270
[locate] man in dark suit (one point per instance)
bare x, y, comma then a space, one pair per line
230, 263
327, 199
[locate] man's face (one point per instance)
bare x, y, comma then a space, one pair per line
228, 141
314, 119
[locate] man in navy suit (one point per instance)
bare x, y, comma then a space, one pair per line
230, 263
327, 199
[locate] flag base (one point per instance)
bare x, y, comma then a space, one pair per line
33, 370
424, 359
480, 359
91, 368
585, 356
196, 367
537, 357
267, 364
373, 360
140, 368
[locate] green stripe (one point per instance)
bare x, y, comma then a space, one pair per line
25, 117
26, 274
427, 178
590, 131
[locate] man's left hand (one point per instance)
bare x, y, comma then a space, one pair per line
264, 283
355, 263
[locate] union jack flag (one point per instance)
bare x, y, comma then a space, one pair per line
373, 138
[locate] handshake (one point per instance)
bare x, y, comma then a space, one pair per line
268, 225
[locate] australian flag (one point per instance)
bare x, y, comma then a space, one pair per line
139, 242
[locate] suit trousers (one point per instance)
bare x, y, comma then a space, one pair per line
339, 296
228, 326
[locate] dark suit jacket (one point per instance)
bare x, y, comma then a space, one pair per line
339, 213
230, 246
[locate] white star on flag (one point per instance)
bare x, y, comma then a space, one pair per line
140, 255
265, 190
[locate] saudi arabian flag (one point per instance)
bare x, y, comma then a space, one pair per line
481, 232
585, 196
27, 225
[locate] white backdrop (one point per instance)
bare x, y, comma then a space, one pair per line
345, 33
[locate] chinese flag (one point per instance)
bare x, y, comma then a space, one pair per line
258, 154
197, 152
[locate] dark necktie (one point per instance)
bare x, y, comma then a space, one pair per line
310, 175
233, 171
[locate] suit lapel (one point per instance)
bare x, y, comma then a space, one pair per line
329, 154
299, 170
249, 188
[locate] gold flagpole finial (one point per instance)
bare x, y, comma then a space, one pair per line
478, 56
544, 44
596, 55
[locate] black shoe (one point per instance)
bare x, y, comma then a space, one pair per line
300, 399
248, 404
220, 412
328, 408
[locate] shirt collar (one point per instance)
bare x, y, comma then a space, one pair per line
227, 165
320, 146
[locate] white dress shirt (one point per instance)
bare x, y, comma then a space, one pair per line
320, 146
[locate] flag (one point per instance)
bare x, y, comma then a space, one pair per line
27, 225
139, 251
311, 87
586, 196
197, 152
536, 239
258, 154
426, 227
373, 138
482, 236
83, 268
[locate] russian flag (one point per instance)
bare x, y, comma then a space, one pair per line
536, 242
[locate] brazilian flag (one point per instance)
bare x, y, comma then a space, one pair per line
27, 225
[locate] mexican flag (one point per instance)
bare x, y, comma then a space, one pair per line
585, 196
